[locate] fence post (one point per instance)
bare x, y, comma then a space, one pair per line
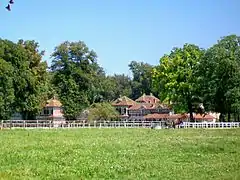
52, 124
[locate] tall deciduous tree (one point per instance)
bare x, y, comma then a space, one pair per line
112, 87
122, 85
29, 76
220, 77
142, 78
6, 89
36, 88
75, 70
175, 77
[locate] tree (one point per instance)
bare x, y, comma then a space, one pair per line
220, 77
122, 85
6, 90
75, 71
35, 93
142, 78
51, 88
175, 79
110, 88
95, 92
29, 82
102, 111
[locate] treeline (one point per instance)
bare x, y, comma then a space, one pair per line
189, 75
26, 82
184, 78
79, 81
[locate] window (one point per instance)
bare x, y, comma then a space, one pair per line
45, 111
48, 111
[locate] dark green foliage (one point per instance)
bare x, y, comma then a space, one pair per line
6, 89
142, 79
75, 71
220, 77
109, 88
122, 85
28, 76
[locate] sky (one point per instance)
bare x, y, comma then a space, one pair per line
121, 31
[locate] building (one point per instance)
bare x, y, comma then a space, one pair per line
122, 105
52, 111
204, 118
166, 117
149, 108
136, 110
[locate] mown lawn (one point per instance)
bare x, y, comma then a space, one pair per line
120, 154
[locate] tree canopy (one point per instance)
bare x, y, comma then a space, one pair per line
175, 77
6, 89
26, 74
220, 76
142, 78
75, 71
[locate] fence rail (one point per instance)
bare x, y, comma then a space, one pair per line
111, 124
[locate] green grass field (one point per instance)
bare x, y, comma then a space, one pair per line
120, 154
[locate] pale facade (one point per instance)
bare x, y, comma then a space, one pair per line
52, 111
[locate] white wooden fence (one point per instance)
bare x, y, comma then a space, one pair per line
212, 125
111, 124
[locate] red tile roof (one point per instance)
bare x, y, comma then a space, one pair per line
123, 101
156, 116
147, 99
53, 103
166, 116
204, 117
143, 105
208, 116
147, 106
178, 116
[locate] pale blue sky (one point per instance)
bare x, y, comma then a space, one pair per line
121, 30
